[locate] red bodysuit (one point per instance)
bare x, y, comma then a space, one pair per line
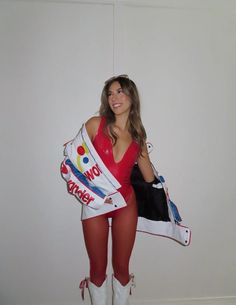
120, 170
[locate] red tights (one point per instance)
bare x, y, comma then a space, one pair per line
96, 230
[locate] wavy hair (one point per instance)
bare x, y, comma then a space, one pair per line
135, 125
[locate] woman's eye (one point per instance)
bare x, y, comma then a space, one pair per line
120, 91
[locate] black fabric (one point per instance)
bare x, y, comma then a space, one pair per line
151, 201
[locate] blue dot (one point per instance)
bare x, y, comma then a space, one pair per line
85, 160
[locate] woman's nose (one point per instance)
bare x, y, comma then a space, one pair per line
113, 96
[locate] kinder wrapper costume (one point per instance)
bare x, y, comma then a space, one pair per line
91, 182
88, 179
157, 214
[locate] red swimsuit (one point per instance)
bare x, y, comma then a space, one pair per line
120, 170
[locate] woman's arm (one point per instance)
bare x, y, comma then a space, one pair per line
92, 126
145, 166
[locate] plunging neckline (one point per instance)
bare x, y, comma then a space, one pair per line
124, 154
100, 129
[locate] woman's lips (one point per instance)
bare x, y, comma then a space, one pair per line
116, 105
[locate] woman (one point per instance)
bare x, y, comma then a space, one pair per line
119, 138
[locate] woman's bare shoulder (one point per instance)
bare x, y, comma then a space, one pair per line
93, 122
92, 126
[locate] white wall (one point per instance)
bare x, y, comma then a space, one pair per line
54, 57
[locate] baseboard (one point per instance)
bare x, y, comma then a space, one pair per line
229, 300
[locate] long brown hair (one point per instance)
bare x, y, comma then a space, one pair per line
135, 126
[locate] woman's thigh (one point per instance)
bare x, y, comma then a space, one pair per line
96, 231
124, 225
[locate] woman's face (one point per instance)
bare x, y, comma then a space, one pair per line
118, 101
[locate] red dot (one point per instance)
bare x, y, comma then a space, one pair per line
64, 169
80, 150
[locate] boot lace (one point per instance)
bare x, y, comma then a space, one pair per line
83, 284
133, 284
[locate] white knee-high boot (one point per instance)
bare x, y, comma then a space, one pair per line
121, 293
98, 295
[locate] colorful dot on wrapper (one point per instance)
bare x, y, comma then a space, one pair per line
80, 150
85, 160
